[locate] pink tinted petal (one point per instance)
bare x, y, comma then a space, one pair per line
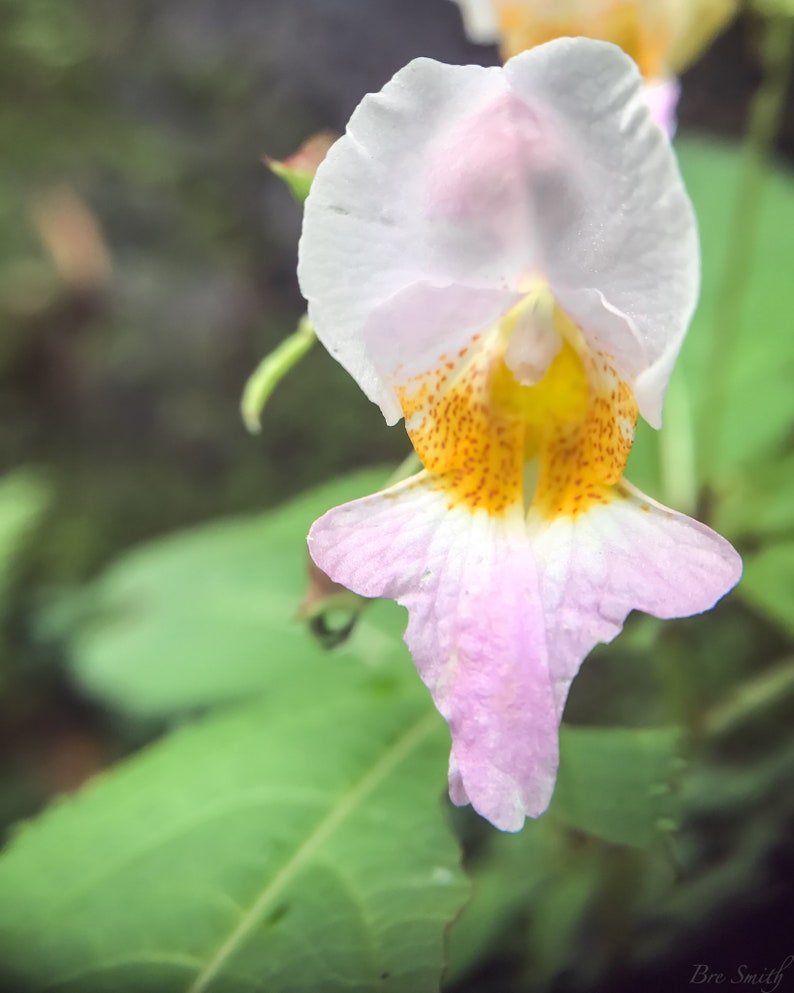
631, 554
381, 218
616, 225
662, 99
484, 178
475, 632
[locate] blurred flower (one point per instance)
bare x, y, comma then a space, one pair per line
73, 236
508, 259
662, 36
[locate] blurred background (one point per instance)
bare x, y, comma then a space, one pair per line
147, 263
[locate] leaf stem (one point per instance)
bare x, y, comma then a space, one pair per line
271, 370
677, 460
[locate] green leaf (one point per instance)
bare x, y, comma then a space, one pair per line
615, 783
775, 8
758, 500
768, 583
23, 497
297, 845
559, 917
209, 615
761, 402
511, 876
761, 408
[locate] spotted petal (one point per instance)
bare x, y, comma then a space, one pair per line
502, 613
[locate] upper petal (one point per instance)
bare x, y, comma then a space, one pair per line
479, 178
475, 632
619, 235
392, 206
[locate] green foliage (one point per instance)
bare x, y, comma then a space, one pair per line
209, 615
614, 787
759, 501
615, 783
768, 583
775, 8
511, 875
760, 411
22, 499
51, 32
297, 844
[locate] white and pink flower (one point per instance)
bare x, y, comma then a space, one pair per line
507, 258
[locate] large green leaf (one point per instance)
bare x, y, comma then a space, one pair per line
209, 615
513, 874
615, 783
296, 845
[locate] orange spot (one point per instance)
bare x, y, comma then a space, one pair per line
476, 434
475, 450
592, 454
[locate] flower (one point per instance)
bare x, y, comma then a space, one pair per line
662, 36
507, 258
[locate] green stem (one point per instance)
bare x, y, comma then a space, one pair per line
765, 114
271, 370
678, 464
409, 466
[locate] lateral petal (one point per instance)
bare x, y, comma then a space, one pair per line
630, 554
426, 187
475, 631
